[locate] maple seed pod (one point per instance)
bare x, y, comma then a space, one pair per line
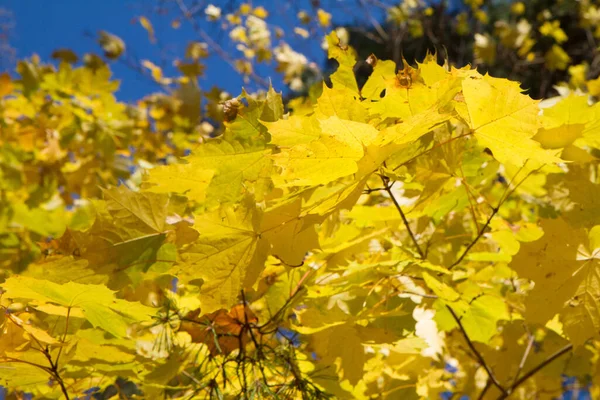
230, 109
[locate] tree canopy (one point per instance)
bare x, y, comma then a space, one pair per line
421, 231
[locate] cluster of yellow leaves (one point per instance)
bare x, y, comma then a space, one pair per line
64, 135
432, 217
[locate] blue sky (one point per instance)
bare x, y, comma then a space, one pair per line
42, 26
45, 25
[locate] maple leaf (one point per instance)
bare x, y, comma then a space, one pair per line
290, 234
508, 127
220, 171
346, 57
222, 331
341, 342
333, 155
128, 229
228, 255
565, 268
181, 178
97, 302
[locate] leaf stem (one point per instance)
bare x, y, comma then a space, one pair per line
474, 241
507, 193
524, 358
64, 338
388, 189
16, 360
477, 354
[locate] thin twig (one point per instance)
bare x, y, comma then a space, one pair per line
424, 295
470, 196
374, 21
6, 359
275, 316
52, 370
488, 384
388, 189
524, 358
507, 193
192, 378
474, 241
477, 354
56, 375
257, 347
371, 190
534, 370
214, 45
64, 338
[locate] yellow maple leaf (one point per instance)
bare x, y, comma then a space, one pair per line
505, 120
228, 255
564, 264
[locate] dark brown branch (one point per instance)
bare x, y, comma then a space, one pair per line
477, 354
62, 385
55, 374
257, 346
535, 369
53, 369
388, 189
371, 190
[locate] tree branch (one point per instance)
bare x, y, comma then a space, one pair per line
55, 374
477, 354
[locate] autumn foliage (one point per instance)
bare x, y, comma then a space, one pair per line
435, 231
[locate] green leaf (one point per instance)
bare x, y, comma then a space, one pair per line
98, 303
442, 290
